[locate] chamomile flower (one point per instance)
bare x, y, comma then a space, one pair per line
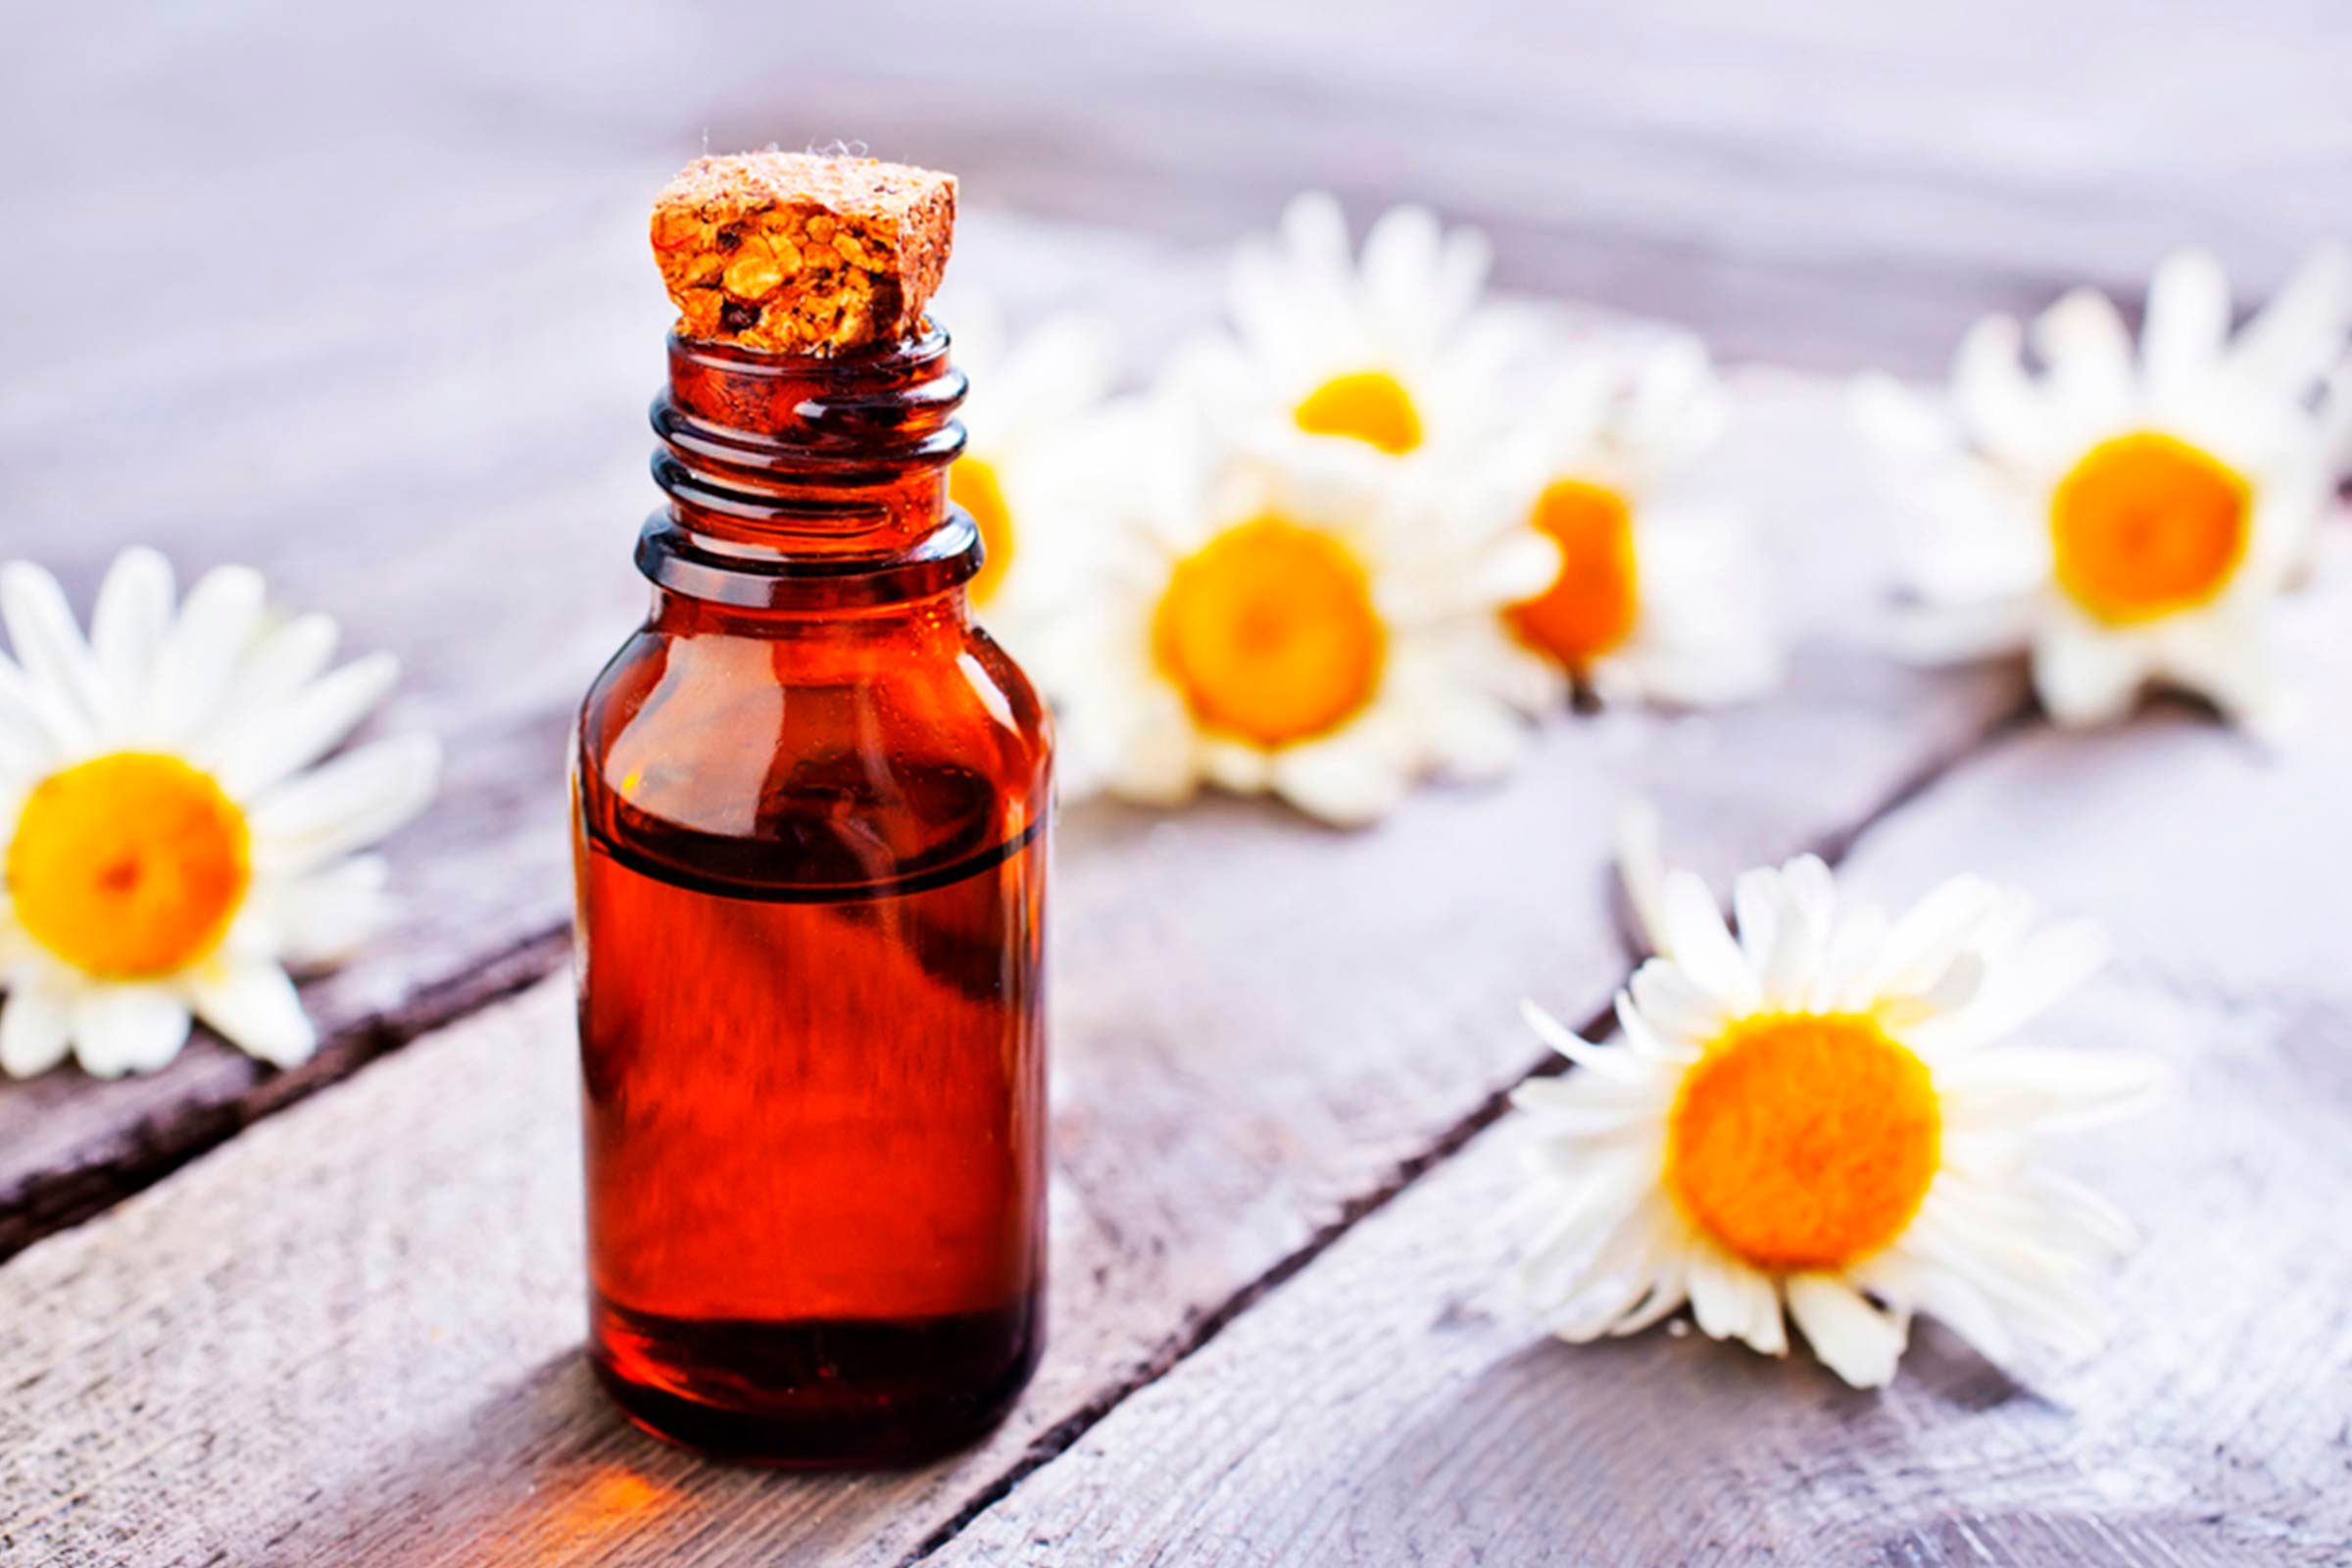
1657, 597
1825, 1118
169, 846
1391, 361
1022, 472
1267, 619
2128, 517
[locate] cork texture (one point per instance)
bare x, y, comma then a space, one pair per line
799, 253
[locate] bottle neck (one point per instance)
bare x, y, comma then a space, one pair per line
807, 484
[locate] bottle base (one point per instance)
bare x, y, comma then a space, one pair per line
816, 1394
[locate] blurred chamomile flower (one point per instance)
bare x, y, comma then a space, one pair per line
173, 842
1272, 617
1392, 360
1657, 598
2128, 516
1826, 1116
1024, 472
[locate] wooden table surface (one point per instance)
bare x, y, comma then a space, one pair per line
363, 299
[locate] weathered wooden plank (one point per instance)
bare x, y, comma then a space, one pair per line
1261, 1025
1397, 1403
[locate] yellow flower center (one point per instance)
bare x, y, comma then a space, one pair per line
1271, 633
1368, 406
2146, 525
1803, 1140
1591, 605
128, 866
973, 485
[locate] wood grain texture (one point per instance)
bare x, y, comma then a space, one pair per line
1263, 1027
1397, 1403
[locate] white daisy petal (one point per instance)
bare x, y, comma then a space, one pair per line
1807, 883
2039, 1088
1642, 867
2084, 341
1716, 1300
1801, 933
1701, 947
1401, 254
1841, 984
1732, 1302
1899, 419
126, 1028
1946, 1295
1647, 1041
2096, 1223
36, 729
1605, 1195
1853, 1339
280, 662
36, 1027
1573, 1110
265, 749
1461, 273
1920, 947
202, 651
1152, 755
2028, 980
346, 804
1756, 905
1315, 233
49, 647
1232, 765
1999, 402
1674, 1003
1472, 738
1954, 634
1346, 786
127, 630
1667, 1293
2187, 320
254, 1008
1602, 1060
324, 918
1618, 1279
2294, 338
2085, 677
2226, 660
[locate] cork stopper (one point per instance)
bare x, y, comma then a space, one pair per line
799, 253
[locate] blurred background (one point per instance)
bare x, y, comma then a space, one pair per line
1818, 183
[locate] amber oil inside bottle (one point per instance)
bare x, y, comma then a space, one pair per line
811, 802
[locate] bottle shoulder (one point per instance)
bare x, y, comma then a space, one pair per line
807, 761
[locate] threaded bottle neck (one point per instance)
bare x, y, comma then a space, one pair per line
795, 481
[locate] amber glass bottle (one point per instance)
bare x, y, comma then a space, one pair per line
812, 803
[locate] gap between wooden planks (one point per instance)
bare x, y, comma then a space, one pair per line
1263, 1028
